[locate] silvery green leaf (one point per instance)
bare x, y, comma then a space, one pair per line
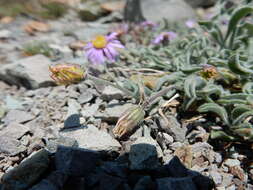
193, 83
215, 108
237, 66
217, 134
236, 17
242, 117
239, 110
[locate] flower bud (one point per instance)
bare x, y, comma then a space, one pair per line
128, 121
209, 72
67, 74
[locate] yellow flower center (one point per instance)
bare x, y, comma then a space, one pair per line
99, 42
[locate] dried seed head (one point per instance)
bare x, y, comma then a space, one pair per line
128, 121
67, 74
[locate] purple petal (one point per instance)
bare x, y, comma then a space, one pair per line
108, 54
112, 51
112, 36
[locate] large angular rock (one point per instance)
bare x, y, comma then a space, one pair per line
167, 9
27, 173
31, 72
75, 161
89, 137
201, 3
144, 154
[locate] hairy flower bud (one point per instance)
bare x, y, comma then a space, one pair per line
209, 72
128, 121
67, 74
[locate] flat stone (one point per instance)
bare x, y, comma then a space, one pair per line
89, 137
31, 72
167, 9
217, 178
14, 130
110, 93
5, 34
85, 97
17, 116
144, 154
113, 112
27, 172
10, 146
12, 103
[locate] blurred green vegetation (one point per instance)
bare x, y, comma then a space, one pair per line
50, 10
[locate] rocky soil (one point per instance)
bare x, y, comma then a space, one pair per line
54, 137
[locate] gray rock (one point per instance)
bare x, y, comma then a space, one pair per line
54, 181
173, 128
72, 121
168, 183
89, 111
76, 161
90, 137
90, 30
31, 72
110, 93
232, 162
28, 172
217, 178
73, 107
113, 112
85, 97
10, 146
167, 9
5, 34
14, 130
144, 183
52, 144
12, 103
2, 112
17, 116
144, 154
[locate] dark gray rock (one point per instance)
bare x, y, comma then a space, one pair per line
11, 146
75, 161
145, 183
27, 173
14, 130
22, 72
144, 154
110, 182
54, 181
133, 11
201, 3
78, 182
168, 183
115, 169
17, 116
72, 121
176, 165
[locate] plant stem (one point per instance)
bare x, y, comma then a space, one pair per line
102, 81
158, 94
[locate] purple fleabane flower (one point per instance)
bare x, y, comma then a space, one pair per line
190, 23
103, 48
163, 37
